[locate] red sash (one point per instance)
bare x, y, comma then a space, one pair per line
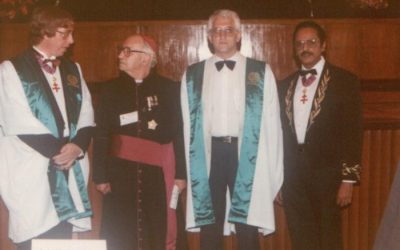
148, 152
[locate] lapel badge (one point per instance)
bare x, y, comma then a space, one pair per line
72, 81
152, 124
253, 78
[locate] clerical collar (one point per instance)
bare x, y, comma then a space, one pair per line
319, 66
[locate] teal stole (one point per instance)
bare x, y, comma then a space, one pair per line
241, 197
44, 108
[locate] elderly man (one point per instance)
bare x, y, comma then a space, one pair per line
233, 140
47, 119
138, 122
322, 128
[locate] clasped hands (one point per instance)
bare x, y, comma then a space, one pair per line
65, 159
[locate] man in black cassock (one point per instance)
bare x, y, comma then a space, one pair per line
138, 126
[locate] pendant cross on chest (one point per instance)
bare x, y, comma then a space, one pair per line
55, 86
304, 98
306, 82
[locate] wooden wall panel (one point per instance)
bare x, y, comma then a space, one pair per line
367, 47
380, 50
370, 48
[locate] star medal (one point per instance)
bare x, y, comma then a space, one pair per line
152, 124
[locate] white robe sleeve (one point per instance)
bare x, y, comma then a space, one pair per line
17, 117
86, 117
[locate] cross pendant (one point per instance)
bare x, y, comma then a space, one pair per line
55, 87
304, 98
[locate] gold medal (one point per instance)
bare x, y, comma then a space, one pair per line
253, 78
72, 81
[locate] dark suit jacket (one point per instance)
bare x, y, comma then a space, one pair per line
334, 132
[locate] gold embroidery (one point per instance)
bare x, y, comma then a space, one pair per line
354, 170
72, 81
289, 103
254, 78
320, 96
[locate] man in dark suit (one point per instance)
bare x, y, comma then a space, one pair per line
322, 125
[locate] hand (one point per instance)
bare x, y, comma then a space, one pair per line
104, 188
67, 156
345, 194
181, 184
279, 198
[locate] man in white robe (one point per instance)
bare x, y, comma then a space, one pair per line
233, 140
47, 121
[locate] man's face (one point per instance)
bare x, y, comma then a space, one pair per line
58, 44
308, 47
224, 37
131, 54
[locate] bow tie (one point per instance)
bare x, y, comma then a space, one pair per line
229, 63
44, 63
55, 61
305, 72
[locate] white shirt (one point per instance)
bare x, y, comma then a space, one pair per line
224, 84
59, 94
302, 110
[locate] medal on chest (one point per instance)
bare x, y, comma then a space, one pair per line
151, 101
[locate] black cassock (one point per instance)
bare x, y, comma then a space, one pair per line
134, 213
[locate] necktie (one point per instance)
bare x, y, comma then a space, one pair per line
229, 63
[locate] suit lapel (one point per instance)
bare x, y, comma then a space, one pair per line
317, 101
319, 97
289, 103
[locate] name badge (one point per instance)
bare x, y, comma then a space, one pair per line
128, 118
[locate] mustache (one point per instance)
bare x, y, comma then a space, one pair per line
306, 53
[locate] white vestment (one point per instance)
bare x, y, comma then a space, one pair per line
24, 184
268, 176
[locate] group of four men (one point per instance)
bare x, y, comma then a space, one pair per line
220, 133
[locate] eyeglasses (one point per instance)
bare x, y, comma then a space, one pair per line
312, 43
229, 31
126, 51
65, 34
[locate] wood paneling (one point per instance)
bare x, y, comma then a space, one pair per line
367, 47
370, 48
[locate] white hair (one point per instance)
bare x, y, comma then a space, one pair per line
224, 13
147, 48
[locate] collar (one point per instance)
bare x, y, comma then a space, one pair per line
235, 58
319, 66
45, 56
